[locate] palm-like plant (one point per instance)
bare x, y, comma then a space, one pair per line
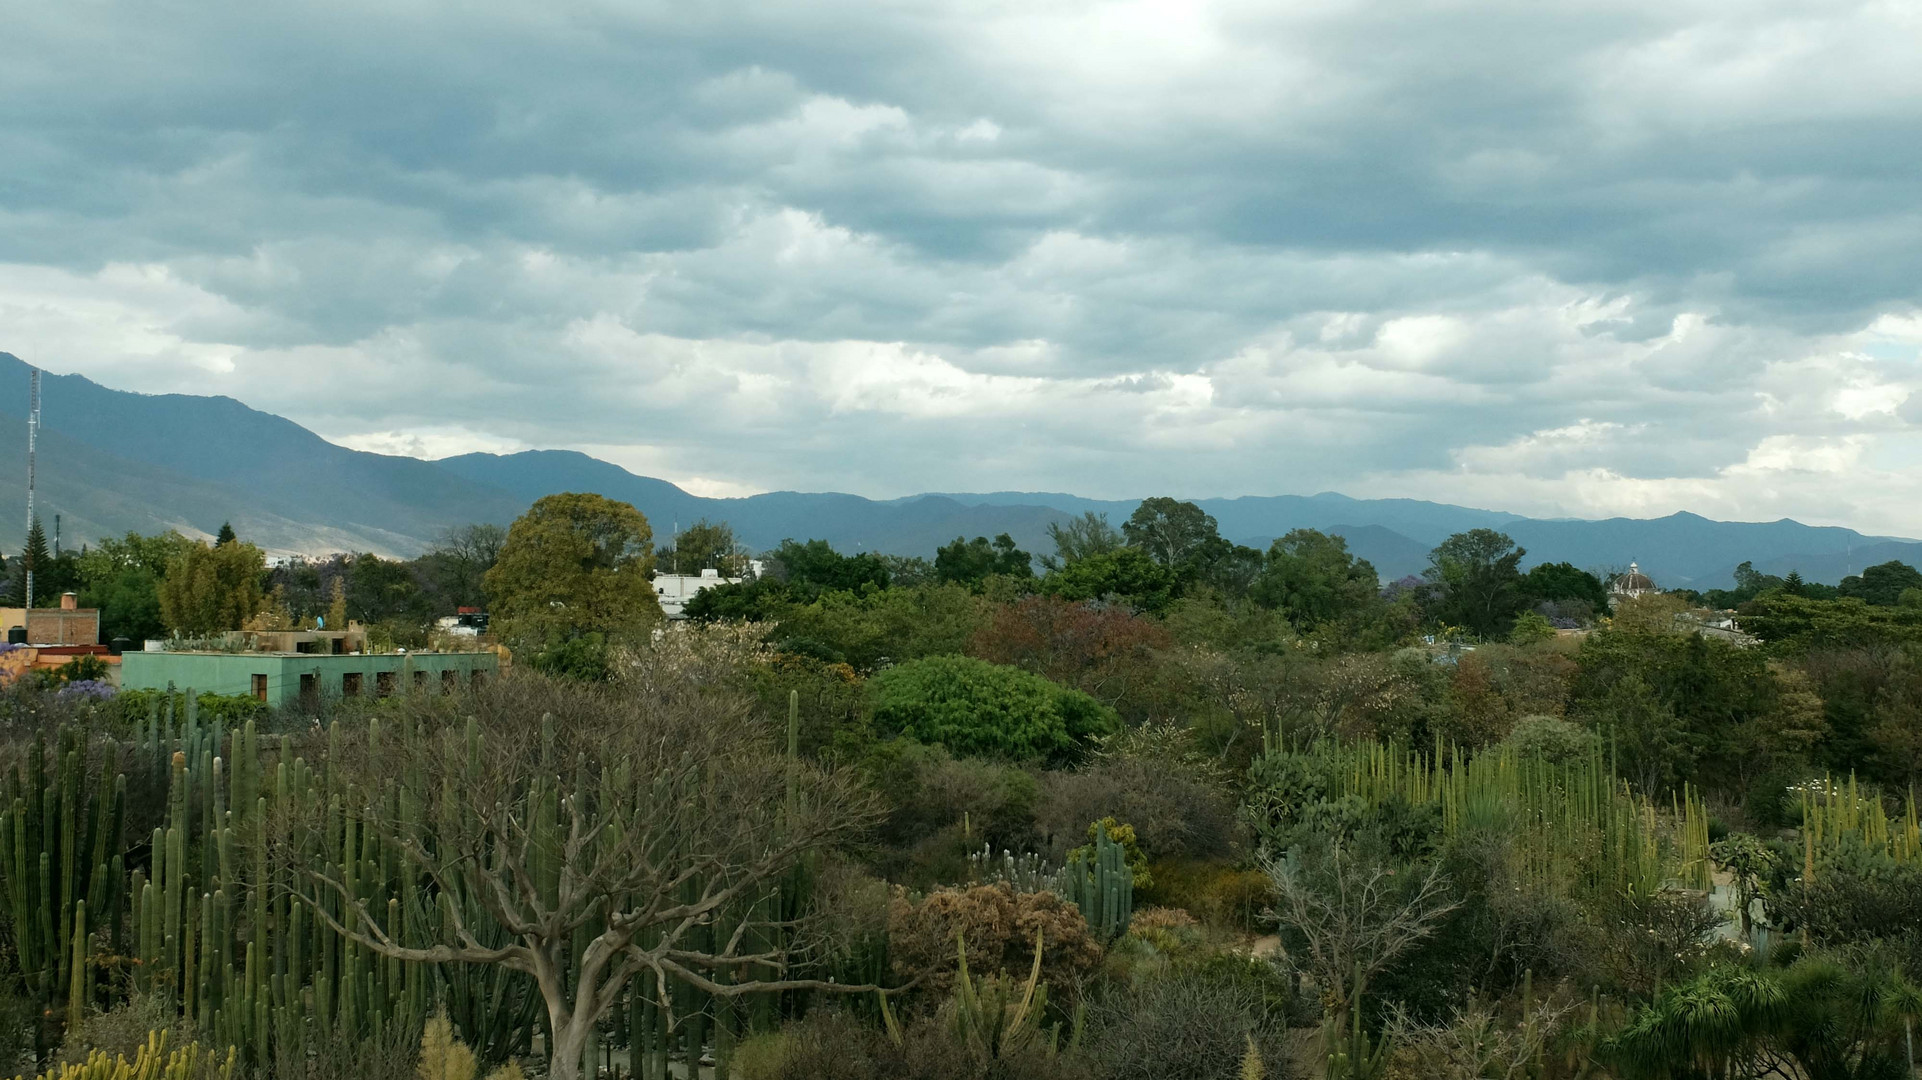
1709, 1028
1819, 1020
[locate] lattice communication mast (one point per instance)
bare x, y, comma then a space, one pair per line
33, 440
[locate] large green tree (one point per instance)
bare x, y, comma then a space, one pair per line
1477, 581
1679, 706
208, 589
1125, 575
51, 576
1313, 579
1794, 624
1566, 586
575, 565
1749, 584
388, 591
970, 562
705, 545
815, 567
1882, 584
121, 577
1078, 538
1179, 535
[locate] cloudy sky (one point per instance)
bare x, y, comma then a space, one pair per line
1582, 258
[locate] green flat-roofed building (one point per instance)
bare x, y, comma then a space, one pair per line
286, 678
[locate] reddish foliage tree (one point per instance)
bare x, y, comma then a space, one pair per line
1106, 652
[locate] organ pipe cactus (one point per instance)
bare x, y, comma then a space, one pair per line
1100, 883
61, 878
201, 911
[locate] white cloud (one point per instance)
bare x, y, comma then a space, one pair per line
1608, 257
429, 442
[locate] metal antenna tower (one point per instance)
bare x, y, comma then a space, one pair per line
33, 439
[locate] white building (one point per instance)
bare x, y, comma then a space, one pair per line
675, 590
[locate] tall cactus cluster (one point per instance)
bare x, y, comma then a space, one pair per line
1100, 882
1097, 879
201, 911
1572, 820
61, 871
191, 890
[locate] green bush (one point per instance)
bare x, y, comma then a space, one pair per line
1856, 897
974, 707
123, 1030
584, 657
1551, 739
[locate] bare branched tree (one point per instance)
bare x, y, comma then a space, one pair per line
593, 838
1480, 1044
1353, 914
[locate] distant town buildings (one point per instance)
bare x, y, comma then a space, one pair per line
68, 624
675, 590
468, 622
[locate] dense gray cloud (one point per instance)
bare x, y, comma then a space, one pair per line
1581, 258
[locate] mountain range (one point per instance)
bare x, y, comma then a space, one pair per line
110, 461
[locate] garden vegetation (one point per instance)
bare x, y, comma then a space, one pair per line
1154, 805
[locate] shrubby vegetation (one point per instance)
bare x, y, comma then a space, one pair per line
1152, 805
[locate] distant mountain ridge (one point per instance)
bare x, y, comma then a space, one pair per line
113, 460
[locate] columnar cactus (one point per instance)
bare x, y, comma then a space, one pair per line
1101, 884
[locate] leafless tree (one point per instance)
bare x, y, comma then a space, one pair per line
1353, 914
1479, 1044
464, 555
588, 836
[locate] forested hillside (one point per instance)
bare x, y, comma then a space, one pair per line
115, 461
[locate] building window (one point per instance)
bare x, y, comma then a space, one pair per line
447, 681
383, 684
350, 684
260, 687
477, 678
310, 689
420, 680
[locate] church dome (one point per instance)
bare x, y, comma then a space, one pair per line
1633, 583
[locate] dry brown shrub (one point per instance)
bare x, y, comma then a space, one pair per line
998, 925
1150, 920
